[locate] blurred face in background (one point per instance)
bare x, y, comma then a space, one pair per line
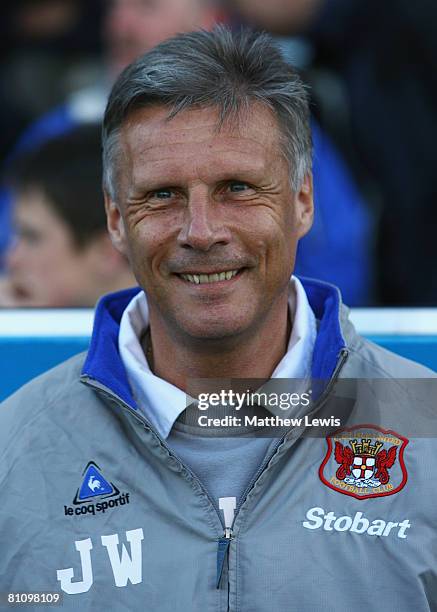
132, 27
277, 16
45, 266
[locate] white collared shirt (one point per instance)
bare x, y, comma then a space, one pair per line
160, 401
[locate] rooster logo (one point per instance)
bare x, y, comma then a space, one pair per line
94, 484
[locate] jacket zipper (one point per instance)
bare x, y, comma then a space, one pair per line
224, 541
344, 353
228, 532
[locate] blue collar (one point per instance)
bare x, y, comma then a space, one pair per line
103, 363
325, 300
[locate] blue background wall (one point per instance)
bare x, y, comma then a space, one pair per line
21, 359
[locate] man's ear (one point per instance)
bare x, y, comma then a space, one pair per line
304, 206
115, 224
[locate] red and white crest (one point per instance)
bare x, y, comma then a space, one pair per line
363, 467
365, 461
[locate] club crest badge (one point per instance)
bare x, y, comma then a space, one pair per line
364, 461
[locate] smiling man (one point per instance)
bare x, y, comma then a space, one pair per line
117, 495
210, 223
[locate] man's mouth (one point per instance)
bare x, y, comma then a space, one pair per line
215, 277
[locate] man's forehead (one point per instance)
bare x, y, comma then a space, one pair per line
149, 128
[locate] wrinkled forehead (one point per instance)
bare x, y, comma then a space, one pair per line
246, 117
253, 129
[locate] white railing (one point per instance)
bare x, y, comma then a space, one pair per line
78, 322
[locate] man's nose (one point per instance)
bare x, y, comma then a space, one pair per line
203, 225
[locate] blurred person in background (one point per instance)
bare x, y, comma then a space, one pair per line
62, 254
129, 28
49, 49
132, 27
372, 66
339, 247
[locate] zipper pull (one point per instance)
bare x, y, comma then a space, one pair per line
222, 551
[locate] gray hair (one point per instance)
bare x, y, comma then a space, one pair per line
218, 69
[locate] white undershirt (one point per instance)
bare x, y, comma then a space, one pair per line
160, 401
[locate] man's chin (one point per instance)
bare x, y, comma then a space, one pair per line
215, 331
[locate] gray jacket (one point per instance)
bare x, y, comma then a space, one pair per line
97, 507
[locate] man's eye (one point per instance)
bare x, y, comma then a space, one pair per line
237, 187
162, 194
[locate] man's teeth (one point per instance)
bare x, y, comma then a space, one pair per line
209, 278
